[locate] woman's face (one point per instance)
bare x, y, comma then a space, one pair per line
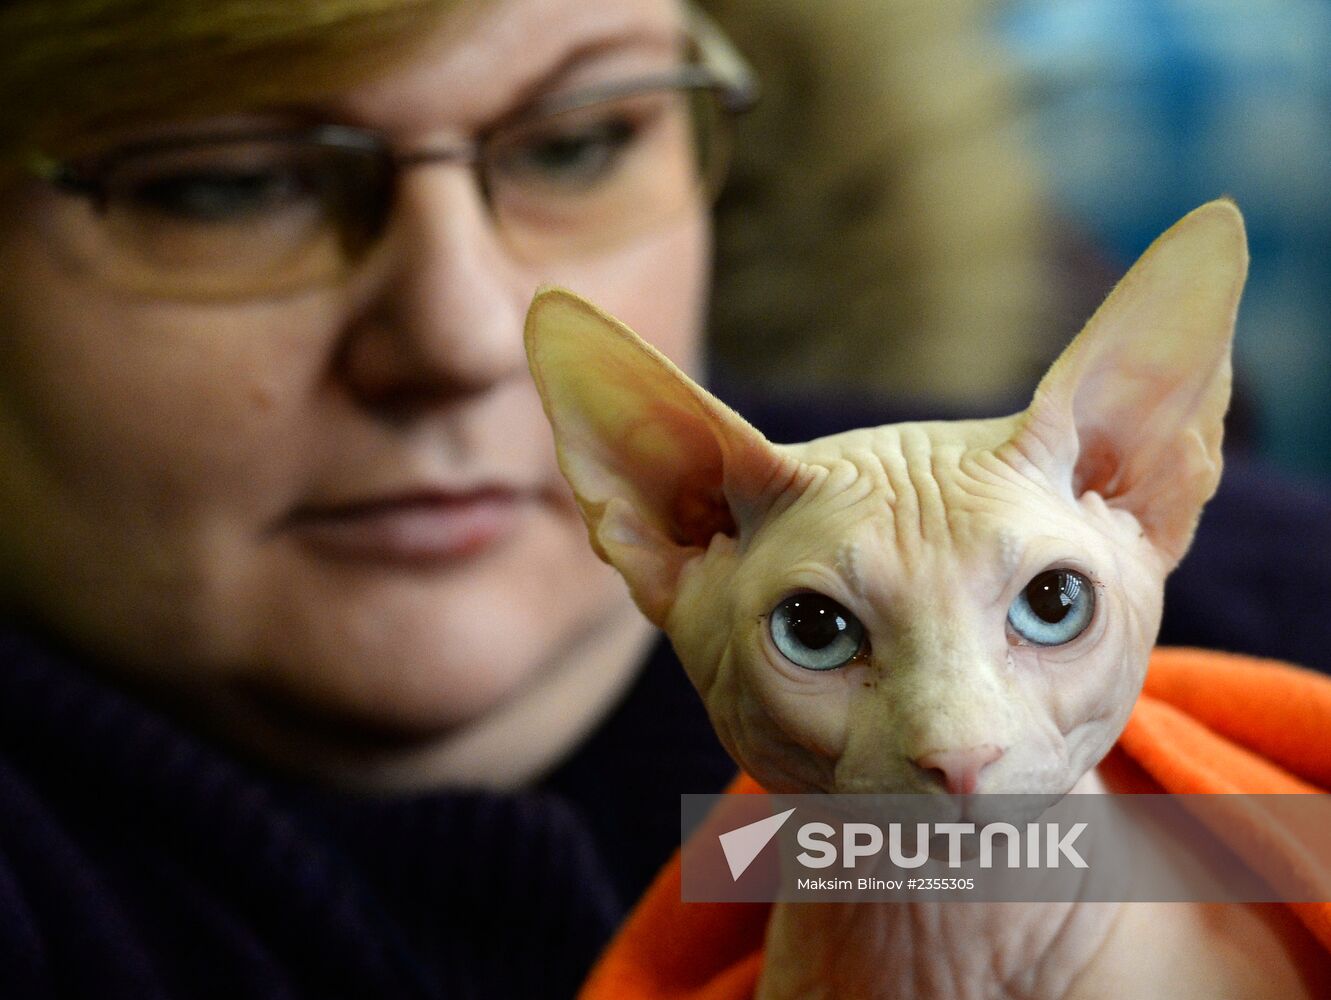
342, 500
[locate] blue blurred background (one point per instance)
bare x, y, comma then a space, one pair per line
1139, 111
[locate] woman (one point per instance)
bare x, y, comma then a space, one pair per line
274, 464
311, 685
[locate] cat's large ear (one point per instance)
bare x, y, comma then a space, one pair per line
659, 466
1133, 410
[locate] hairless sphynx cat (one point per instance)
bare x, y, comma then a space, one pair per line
951, 606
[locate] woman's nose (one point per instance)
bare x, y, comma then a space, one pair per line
439, 314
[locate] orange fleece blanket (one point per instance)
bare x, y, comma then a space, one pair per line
1206, 722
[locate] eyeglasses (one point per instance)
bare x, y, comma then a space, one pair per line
239, 214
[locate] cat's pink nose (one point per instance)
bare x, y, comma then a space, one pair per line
960, 769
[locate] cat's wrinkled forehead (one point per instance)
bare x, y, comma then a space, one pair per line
917, 501
931, 486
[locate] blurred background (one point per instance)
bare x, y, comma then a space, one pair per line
937, 193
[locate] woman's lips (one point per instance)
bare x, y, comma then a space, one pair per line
418, 528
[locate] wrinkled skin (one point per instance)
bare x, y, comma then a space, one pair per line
927, 533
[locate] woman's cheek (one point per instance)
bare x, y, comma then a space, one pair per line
657, 285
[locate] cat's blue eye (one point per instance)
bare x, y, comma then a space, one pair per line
815, 632
1054, 608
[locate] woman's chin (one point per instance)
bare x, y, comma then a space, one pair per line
494, 719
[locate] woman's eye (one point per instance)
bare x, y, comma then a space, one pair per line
815, 632
1054, 608
573, 156
217, 196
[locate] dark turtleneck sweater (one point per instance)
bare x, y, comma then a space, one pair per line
139, 861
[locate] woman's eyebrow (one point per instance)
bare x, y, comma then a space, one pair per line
594, 50
664, 40
600, 44
579, 59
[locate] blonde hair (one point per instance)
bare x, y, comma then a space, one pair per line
882, 227
70, 70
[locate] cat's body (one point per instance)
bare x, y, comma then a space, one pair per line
939, 607
1039, 951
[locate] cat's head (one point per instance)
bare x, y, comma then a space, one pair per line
962, 606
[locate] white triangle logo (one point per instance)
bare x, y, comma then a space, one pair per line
744, 844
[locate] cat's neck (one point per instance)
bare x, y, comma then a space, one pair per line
932, 951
